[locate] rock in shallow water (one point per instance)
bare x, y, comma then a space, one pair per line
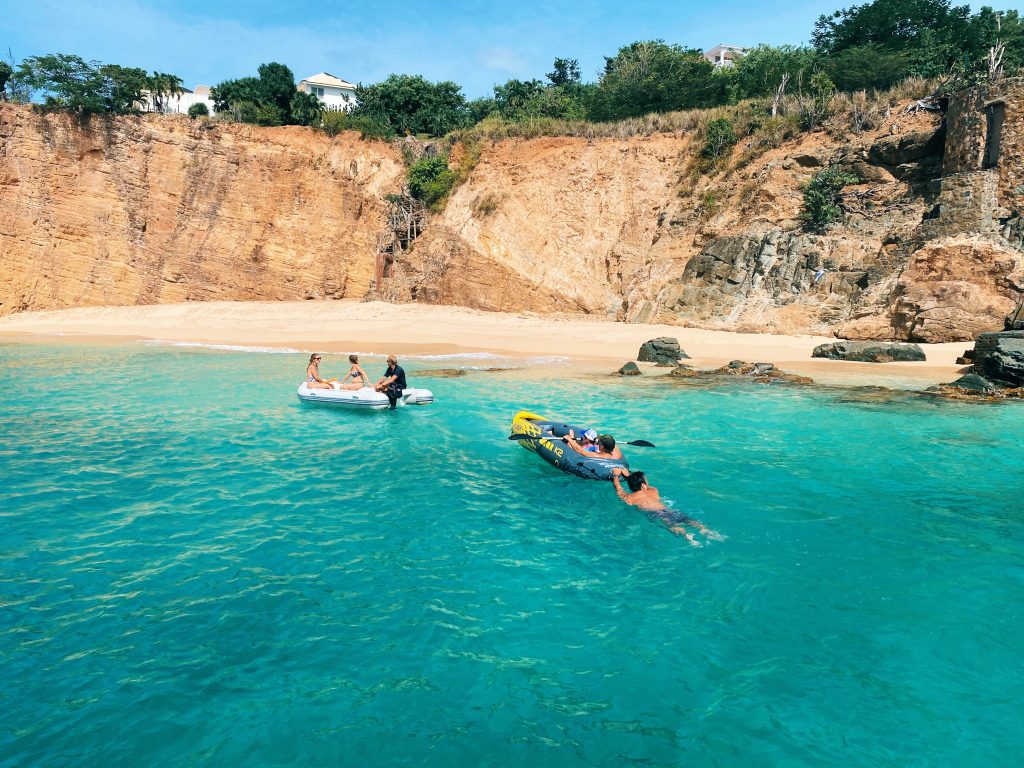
999, 357
664, 350
870, 351
629, 369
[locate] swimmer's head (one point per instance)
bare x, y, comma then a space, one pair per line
607, 443
636, 481
353, 359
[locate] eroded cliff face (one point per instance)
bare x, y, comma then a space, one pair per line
162, 209
622, 228
157, 209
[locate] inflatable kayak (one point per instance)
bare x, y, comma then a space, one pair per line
545, 439
365, 399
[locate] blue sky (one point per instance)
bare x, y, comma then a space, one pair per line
476, 44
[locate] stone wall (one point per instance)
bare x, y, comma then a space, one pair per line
966, 205
967, 128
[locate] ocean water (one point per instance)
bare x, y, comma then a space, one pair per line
196, 569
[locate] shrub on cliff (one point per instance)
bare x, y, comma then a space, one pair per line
822, 197
411, 104
719, 138
198, 110
333, 123
430, 179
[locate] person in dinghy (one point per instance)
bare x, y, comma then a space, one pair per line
313, 380
392, 383
357, 374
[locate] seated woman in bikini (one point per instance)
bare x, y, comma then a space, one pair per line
355, 373
313, 380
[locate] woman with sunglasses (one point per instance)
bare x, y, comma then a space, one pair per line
313, 380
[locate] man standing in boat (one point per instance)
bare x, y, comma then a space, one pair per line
392, 383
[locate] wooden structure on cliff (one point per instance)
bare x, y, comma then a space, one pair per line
405, 218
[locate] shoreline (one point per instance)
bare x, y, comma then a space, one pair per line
377, 328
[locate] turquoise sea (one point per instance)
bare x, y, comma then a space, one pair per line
196, 569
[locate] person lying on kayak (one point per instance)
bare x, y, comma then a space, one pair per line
647, 498
605, 447
357, 374
393, 381
313, 380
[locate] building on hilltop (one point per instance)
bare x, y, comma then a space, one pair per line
335, 94
178, 103
724, 55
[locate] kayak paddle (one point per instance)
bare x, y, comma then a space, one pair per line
637, 443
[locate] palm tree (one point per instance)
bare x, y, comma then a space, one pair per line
164, 86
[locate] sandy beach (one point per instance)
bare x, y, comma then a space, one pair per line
415, 329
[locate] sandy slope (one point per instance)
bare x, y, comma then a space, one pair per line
339, 326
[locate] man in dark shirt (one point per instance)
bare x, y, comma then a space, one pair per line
392, 383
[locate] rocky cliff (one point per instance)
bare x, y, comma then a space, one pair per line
155, 209
163, 209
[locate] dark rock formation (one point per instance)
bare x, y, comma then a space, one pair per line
1015, 322
664, 350
764, 373
899, 150
999, 357
870, 351
441, 373
629, 369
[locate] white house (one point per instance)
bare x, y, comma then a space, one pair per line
724, 55
181, 102
335, 93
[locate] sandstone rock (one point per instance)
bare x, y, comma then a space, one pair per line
950, 290
999, 357
629, 369
870, 351
871, 173
158, 208
664, 350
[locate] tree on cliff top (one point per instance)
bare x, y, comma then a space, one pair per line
6, 71
653, 76
413, 104
269, 99
69, 82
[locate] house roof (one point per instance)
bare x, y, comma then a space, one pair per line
326, 78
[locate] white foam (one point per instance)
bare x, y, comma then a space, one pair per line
221, 347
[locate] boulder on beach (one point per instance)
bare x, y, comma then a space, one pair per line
664, 350
870, 351
629, 369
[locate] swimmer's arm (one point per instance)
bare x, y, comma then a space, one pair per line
618, 487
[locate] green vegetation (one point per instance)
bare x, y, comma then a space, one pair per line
269, 99
718, 139
411, 104
430, 179
6, 72
821, 207
198, 110
856, 55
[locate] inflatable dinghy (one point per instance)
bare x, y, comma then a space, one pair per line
544, 437
365, 399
